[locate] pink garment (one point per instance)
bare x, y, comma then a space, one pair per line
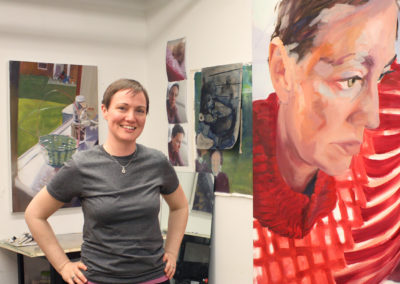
175, 71
154, 281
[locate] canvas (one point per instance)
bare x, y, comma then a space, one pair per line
326, 148
219, 112
53, 114
203, 197
236, 163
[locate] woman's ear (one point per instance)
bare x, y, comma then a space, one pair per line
281, 69
104, 111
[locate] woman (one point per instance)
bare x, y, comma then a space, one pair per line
172, 109
313, 214
119, 184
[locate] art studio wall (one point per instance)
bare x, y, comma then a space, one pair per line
36, 31
210, 41
126, 41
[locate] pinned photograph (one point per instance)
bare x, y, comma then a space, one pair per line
178, 145
175, 60
176, 102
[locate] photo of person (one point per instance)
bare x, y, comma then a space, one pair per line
176, 102
221, 183
175, 60
219, 116
177, 146
322, 160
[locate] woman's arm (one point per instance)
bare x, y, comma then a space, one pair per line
177, 220
42, 206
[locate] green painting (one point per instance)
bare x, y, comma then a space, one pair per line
236, 163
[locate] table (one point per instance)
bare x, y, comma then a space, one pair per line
71, 243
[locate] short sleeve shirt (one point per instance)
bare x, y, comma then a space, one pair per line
121, 234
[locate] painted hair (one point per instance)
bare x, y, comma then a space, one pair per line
294, 25
177, 129
123, 84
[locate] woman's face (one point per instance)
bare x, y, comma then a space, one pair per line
126, 116
176, 142
172, 94
216, 163
335, 96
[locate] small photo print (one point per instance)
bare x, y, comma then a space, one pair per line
175, 60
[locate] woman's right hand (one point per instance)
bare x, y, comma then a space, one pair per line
72, 274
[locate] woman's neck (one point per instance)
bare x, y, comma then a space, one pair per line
119, 149
293, 169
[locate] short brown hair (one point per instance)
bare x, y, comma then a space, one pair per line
294, 20
176, 130
123, 84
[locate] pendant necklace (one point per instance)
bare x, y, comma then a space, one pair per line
123, 168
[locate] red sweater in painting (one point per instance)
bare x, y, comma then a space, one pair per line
348, 230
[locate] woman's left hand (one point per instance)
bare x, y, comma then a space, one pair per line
170, 266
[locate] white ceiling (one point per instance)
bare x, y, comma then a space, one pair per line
121, 7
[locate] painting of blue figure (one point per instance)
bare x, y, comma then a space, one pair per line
219, 113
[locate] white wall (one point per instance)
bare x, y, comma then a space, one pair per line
112, 37
76, 34
217, 33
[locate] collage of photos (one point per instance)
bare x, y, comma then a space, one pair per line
176, 103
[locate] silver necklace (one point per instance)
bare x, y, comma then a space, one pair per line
123, 168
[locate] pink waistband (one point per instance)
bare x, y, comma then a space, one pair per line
154, 281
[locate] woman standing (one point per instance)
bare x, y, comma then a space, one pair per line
119, 184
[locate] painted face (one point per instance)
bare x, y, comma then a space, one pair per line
216, 163
126, 116
177, 142
172, 94
335, 96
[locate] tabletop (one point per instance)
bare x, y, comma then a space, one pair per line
69, 242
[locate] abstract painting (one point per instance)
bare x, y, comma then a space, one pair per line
236, 163
326, 143
53, 114
219, 113
203, 198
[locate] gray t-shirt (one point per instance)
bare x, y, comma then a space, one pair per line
122, 242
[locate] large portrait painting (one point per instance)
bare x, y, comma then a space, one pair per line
53, 114
326, 148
